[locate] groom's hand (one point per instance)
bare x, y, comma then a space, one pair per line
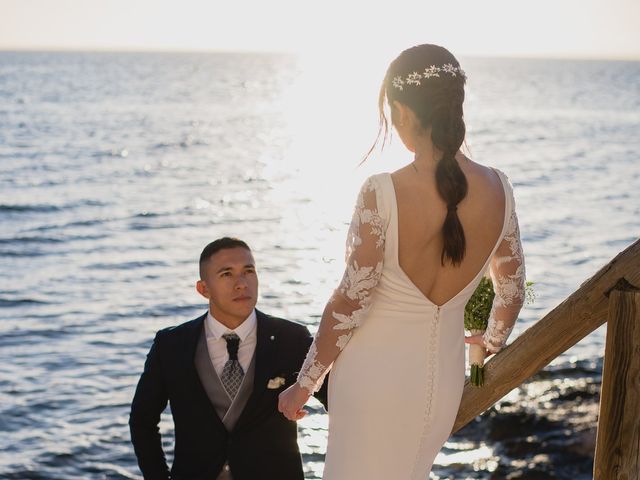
291, 401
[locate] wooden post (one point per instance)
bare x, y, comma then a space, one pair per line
582, 312
617, 454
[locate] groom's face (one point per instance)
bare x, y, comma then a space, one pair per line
231, 284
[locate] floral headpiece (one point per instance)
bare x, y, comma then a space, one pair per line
415, 78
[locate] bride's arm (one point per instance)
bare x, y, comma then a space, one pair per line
350, 301
507, 272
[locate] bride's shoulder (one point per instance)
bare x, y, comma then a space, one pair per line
376, 193
488, 172
504, 178
488, 178
499, 183
376, 181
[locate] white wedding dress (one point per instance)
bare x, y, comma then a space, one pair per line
396, 358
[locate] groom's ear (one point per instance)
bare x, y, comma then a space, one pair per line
202, 289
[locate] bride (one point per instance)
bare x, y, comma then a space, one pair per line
420, 241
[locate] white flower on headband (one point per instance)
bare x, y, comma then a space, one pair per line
414, 79
429, 72
450, 69
398, 82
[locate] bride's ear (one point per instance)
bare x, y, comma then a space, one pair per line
404, 120
399, 114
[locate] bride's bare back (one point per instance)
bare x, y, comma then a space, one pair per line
421, 214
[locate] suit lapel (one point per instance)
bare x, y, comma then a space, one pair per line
190, 344
189, 364
264, 358
209, 378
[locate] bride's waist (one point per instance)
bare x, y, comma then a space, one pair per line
384, 305
394, 300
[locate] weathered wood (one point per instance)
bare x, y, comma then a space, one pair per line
581, 313
618, 442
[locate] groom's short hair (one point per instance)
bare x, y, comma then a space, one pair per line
216, 246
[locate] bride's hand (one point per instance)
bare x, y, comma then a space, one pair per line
291, 401
477, 340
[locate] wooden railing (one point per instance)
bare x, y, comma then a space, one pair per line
611, 295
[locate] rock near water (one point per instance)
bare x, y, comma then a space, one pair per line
544, 429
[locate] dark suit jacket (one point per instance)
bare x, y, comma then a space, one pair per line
262, 444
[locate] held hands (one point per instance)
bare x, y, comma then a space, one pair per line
291, 401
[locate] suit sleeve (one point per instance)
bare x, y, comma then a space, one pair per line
149, 402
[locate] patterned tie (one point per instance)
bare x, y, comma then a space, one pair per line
232, 372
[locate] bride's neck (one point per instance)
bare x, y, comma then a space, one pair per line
426, 155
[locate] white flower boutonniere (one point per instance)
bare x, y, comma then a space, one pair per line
276, 382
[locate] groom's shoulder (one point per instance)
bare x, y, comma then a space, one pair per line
283, 325
184, 329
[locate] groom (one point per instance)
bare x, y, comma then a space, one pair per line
221, 374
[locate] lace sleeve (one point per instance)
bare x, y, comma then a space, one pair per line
351, 300
507, 272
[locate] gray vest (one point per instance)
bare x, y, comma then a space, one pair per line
228, 411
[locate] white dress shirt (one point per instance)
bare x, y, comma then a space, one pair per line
217, 345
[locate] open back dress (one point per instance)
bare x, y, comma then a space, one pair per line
397, 358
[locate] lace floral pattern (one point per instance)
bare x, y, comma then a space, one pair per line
352, 299
508, 275
315, 371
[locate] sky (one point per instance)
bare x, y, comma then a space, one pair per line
540, 28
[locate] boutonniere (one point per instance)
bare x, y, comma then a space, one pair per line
276, 382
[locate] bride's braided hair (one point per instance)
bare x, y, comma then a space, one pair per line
436, 99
